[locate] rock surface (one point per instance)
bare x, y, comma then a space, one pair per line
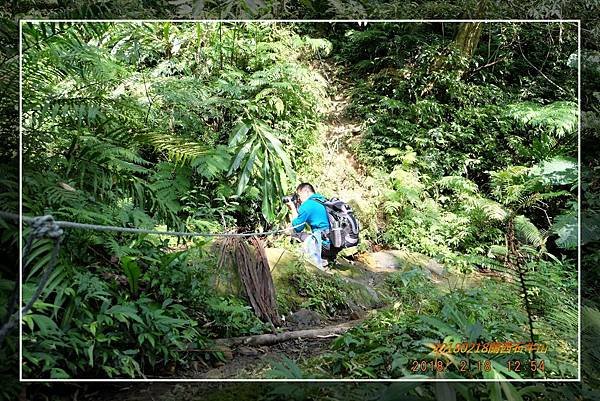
304, 318
365, 274
393, 260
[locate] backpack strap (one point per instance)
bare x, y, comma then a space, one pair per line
322, 202
325, 233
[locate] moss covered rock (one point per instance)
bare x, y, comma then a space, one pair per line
299, 284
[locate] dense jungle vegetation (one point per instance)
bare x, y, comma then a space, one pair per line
202, 127
176, 126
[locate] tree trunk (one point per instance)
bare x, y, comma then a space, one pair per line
467, 37
466, 40
515, 262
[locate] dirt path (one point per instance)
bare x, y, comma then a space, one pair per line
252, 356
255, 362
341, 172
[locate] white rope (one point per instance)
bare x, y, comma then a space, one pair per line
97, 227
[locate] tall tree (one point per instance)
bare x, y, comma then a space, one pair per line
467, 37
468, 34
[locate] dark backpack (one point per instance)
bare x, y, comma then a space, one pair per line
344, 228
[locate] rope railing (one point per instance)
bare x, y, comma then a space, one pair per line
47, 227
99, 227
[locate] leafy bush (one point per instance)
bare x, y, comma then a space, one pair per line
101, 332
386, 344
229, 317
408, 290
327, 296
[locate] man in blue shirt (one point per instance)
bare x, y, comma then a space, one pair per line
313, 213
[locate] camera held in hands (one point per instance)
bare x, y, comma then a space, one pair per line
290, 198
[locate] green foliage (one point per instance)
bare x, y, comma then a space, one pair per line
558, 118
259, 149
557, 171
128, 325
119, 338
406, 289
566, 226
189, 83
203, 127
286, 369
132, 272
182, 276
326, 296
230, 317
470, 155
400, 334
442, 219
385, 345
129, 124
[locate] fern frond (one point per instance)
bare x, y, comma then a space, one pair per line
497, 250
458, 184
84, 215
528, 232
559, 118
391, 207
490, 209
180, 150
212, 163
318, 46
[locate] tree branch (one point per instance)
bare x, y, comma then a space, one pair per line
270, 339
487, 65
537, 69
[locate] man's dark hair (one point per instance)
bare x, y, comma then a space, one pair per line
305, 185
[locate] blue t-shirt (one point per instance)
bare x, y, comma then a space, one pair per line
313, 213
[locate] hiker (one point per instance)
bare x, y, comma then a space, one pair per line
310, 210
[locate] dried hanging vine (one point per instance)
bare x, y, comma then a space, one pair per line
250, 259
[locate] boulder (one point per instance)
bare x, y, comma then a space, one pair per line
303, 318
398, 260
285, 263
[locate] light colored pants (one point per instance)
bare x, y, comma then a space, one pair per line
327, 251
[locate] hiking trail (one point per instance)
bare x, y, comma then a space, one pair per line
340, 174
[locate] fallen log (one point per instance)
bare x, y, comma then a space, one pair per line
270, 339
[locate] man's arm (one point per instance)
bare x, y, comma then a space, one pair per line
294, 212
297, 217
